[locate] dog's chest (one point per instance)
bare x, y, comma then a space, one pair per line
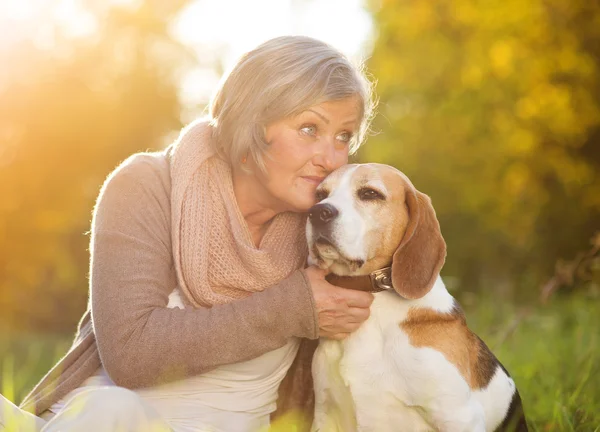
362, 375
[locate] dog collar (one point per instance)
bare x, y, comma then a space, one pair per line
377, 281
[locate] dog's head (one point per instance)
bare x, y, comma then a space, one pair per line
370, 216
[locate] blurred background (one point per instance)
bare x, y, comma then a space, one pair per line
491, 107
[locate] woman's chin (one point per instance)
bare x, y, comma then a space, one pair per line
301, 204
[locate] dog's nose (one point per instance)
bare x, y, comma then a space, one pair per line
322, 214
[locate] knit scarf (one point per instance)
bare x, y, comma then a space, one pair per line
214, 254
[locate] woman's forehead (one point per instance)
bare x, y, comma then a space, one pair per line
346, 110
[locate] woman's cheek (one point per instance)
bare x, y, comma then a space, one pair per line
343, 159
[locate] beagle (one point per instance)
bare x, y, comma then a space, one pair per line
414, 365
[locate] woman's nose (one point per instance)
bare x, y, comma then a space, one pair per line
325, 155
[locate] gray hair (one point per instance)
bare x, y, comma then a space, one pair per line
281, 78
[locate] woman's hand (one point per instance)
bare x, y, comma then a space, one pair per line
341, 310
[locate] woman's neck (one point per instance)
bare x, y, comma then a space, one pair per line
250, 196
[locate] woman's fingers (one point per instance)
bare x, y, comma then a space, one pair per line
358, 315
358, 299
341, 311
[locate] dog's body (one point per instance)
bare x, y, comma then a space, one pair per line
390, 375
413, 365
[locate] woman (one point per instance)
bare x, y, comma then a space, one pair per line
220, 215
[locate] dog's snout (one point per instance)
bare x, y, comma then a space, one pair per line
322, 214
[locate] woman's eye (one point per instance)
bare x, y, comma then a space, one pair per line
309, 130
368, 194
344, 137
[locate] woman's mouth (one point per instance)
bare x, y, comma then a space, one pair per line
314, 180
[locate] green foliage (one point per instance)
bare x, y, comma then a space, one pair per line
493, 109
68, 116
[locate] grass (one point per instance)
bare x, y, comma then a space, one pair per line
552, 352
24, 359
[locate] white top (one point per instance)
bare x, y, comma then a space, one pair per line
231, 398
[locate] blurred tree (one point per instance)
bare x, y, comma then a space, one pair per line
493, 109
68, 116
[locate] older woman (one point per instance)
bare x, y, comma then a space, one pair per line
218, 216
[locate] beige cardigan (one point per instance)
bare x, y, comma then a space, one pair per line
128, 328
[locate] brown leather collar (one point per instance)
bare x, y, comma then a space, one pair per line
379, 280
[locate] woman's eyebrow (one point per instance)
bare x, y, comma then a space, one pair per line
325, 119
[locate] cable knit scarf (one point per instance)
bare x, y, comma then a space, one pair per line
214, 254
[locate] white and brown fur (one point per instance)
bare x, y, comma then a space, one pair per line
413, 365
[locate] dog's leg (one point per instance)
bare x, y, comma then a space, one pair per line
334, 409
449, 405
319, 372
468, 417
436, 388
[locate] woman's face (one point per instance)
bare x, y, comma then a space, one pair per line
304, 149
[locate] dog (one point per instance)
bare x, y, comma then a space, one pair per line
413, 365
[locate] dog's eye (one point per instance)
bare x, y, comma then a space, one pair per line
368, 194
321, 194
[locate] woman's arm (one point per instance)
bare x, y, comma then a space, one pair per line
141, 342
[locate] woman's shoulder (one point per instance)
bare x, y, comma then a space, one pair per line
143, 172
140, 183
145, 167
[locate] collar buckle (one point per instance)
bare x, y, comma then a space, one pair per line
382, 279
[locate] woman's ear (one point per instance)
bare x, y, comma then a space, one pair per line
418, 260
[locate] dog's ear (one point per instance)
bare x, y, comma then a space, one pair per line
419, 258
